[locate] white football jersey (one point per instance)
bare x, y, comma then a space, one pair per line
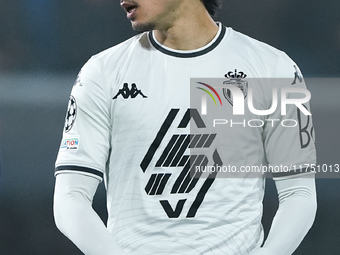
131, 122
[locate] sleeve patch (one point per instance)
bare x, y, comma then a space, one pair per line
69, 144
71, 114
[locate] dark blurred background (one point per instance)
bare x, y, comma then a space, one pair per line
43, 44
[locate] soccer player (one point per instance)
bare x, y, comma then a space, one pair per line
130, 124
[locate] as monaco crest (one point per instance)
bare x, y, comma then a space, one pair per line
235, 78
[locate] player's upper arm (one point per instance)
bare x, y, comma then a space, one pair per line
87, 133
289, 135
72, 189
295, 215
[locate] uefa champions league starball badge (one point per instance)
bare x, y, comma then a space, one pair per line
71, 114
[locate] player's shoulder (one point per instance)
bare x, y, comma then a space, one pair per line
98, 68
261, 53
253, 45
119, 51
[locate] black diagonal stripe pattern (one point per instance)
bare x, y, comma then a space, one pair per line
158, 140
188, 178
182, 175
150, 183
194, 141
156, 183
181, 151
209, 141
162, 184
205, 187
167, 150
196, 174
183, 160
172, 156
174, 150
202, 141
173, 153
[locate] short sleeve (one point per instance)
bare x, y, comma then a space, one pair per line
289, 136
85, 143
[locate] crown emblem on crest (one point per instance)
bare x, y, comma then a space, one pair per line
235, 75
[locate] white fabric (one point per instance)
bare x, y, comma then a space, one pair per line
295, 215
75, 217
262, 251
112, 136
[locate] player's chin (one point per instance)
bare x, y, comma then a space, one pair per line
142, 26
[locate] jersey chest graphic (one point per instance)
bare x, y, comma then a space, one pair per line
173, 156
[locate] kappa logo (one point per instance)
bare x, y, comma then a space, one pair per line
173, 157
125, 92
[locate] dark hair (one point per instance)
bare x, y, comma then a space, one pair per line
212, 6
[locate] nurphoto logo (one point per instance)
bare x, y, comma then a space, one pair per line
260, 101
238, 102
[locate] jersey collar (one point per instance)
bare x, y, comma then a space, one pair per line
192, 53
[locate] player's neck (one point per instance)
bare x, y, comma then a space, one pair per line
191, 31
